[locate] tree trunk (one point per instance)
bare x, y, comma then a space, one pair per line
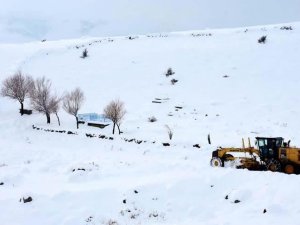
58, 120
118, 126
48, 117
114, 128
77, 123
22, 109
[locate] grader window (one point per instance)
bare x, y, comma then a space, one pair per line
279, 142
262, 143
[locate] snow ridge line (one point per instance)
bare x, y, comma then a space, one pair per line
101, 136
133, 140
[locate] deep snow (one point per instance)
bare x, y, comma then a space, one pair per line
175, 184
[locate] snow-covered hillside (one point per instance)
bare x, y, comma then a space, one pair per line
33, 20
229, 86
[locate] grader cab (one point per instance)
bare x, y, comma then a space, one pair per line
270, 154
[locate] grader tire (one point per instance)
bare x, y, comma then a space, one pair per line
289, 169
216, 162
274, 165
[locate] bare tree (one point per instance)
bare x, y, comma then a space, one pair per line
17, 87
72, 102
42, 99
56, 108
115, 111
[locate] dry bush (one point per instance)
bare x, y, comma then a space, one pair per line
112, 222
286, 28
170, 132
169, 72
17, 87
42, 100
72, 102
174, 81
115, 111
84, 53
262, 40
152, 119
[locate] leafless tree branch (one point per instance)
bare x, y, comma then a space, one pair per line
42, 100
72, 102
17, 87
115, 111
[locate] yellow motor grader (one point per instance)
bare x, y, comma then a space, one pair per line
271, 154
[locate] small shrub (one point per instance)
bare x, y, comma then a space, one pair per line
26, 200
169, 72
152, 119
262, 40
174, 81
112, 222
264, 211
286, 28
170, 132
84, 53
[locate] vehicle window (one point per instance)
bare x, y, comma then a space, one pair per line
261, 143
278, 143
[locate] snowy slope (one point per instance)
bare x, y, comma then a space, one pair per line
29, 20
174, 185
